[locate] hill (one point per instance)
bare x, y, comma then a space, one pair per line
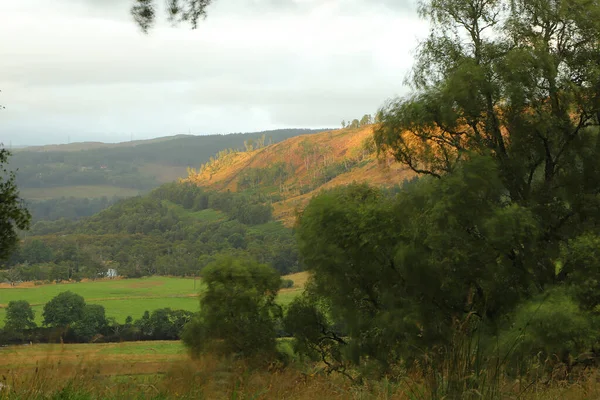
78, 172
234, 204
78, 146
294, 170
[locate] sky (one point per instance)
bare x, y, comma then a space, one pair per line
81, 70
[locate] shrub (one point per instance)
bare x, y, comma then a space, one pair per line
287, 283
550, 326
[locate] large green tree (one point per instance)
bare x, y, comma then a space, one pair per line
502, 126
237, 309
519, 82
64, 309
19, 316
13, 213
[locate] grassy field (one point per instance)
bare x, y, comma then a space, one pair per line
124, 297
163, 370
91, 191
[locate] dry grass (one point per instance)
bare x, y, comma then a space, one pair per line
163, 370
341, 143
215, 378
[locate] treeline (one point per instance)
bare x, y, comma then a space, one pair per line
68, 319
175, 230
123, 165
366, 119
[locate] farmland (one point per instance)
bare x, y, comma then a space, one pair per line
126, 297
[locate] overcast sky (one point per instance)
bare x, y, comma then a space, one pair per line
82, 70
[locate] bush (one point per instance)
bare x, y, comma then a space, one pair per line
548, 327
287, 283
582, 265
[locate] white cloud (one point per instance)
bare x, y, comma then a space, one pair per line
83, 69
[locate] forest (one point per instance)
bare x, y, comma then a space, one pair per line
176, 230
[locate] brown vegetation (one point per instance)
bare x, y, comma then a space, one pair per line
175, 376
307, 155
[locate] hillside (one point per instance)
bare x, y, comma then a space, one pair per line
66, 177
293, 171
78, 146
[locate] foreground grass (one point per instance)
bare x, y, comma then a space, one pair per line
128, 297
162, 370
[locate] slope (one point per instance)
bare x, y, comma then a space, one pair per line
90, 170
293, 171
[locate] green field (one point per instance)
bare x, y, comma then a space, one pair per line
122, 297
91, 191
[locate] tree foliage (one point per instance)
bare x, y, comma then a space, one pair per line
19, 316
517, 82
92, 322
190, 11
237, 310
64, 309
14, 216
503, 123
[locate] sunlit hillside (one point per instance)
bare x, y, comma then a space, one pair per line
294, 170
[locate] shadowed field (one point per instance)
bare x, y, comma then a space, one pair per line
163, 370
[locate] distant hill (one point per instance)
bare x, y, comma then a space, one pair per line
293, 171
77, 146
64, 177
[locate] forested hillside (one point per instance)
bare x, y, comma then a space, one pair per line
175, 230
290, 173
233, 204
54, 176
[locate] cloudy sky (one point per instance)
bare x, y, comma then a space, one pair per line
74, 70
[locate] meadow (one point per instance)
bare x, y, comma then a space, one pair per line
163, 370
126, 297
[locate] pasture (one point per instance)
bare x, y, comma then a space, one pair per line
126, 297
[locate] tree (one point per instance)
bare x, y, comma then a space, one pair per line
237, 309
409, 271
168, 324
355, 124
191, 11
92, 322
366, 120
343, 123
519, 83
13, 213
35, 252
19, 316
64, 309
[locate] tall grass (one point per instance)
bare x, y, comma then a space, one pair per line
461, 376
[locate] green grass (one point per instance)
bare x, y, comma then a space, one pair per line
154, 347
122, 297
83, 191
208, 215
